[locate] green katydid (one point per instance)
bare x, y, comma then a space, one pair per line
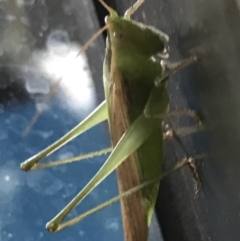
136, 103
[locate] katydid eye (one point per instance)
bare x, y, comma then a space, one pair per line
106, 19
118, 35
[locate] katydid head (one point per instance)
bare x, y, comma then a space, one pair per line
132, 36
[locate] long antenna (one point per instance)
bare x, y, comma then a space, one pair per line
108, 8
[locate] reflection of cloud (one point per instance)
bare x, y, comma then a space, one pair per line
112, 224
44, 182
16, 122
70, 190
59, 61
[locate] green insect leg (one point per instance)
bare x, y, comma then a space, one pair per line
97, 116
136, 135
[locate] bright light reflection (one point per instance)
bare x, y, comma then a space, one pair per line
59, 61
76, 84
8, 182
7, 178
